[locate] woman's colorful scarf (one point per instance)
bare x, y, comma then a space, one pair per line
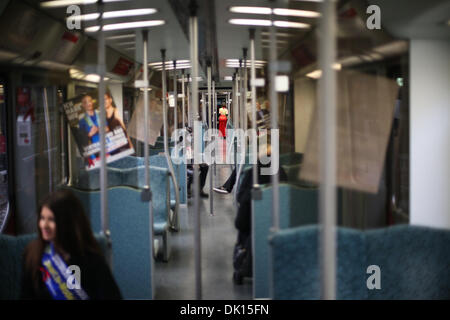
56, 275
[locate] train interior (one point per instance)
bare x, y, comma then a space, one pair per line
351, 95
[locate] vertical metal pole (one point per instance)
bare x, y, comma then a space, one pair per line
166, 142
214, 112
211, 182
327, 147
235, 116
236, 100
209, 96
147, 193
253, 91
49, 140
194, 64
245, 90
101, 101
203, 103
183, 111
175, 98
204, 120
145, 69
189, 112
274, 142
243, 114
274, 126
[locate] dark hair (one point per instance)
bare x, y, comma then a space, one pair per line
73, 231
108, 94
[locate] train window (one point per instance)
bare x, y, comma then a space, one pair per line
4, 194
37, 149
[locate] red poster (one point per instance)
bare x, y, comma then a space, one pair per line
123, 67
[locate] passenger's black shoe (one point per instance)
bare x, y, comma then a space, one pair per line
221, 190
204, 195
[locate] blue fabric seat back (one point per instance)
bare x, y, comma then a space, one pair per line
127, 162
180, 173
414, 262
129, 223
159, 184
11, 264
289, 159
295, 264
130, 234
90, 179
298, 206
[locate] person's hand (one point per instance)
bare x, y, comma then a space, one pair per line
93, 131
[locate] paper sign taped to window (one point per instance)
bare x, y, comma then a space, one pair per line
365, 110
136, 127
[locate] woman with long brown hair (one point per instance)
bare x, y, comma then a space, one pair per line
65, 243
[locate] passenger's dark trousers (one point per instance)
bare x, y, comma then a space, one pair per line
203, 174
229, 184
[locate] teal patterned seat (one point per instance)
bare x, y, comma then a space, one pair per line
414, 263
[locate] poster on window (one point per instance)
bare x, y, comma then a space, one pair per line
83, 116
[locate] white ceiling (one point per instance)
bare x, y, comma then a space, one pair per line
231, 39
402, 18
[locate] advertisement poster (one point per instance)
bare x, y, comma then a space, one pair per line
83, 115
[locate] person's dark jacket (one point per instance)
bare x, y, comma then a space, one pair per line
244, 197
96, 280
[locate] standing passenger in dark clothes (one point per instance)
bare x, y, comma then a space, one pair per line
244, 198
64, 239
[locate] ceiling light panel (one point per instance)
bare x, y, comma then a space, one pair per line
251, 10
251, 22
291, 24
66, 3
127, 25
296, 13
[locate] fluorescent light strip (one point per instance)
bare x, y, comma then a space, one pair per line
251, 22
171, 68
277, 11
237, 66
316, 74
128, 13
278, 40
296, 13
278, 34
248, 61
112, 14
125, 43
252, 10
84, 17
123, 36
66, 3
291, 24
268, 23
168, 63
127, 25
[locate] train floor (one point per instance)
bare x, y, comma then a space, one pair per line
176, 278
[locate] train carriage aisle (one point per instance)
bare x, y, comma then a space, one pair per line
176, 279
